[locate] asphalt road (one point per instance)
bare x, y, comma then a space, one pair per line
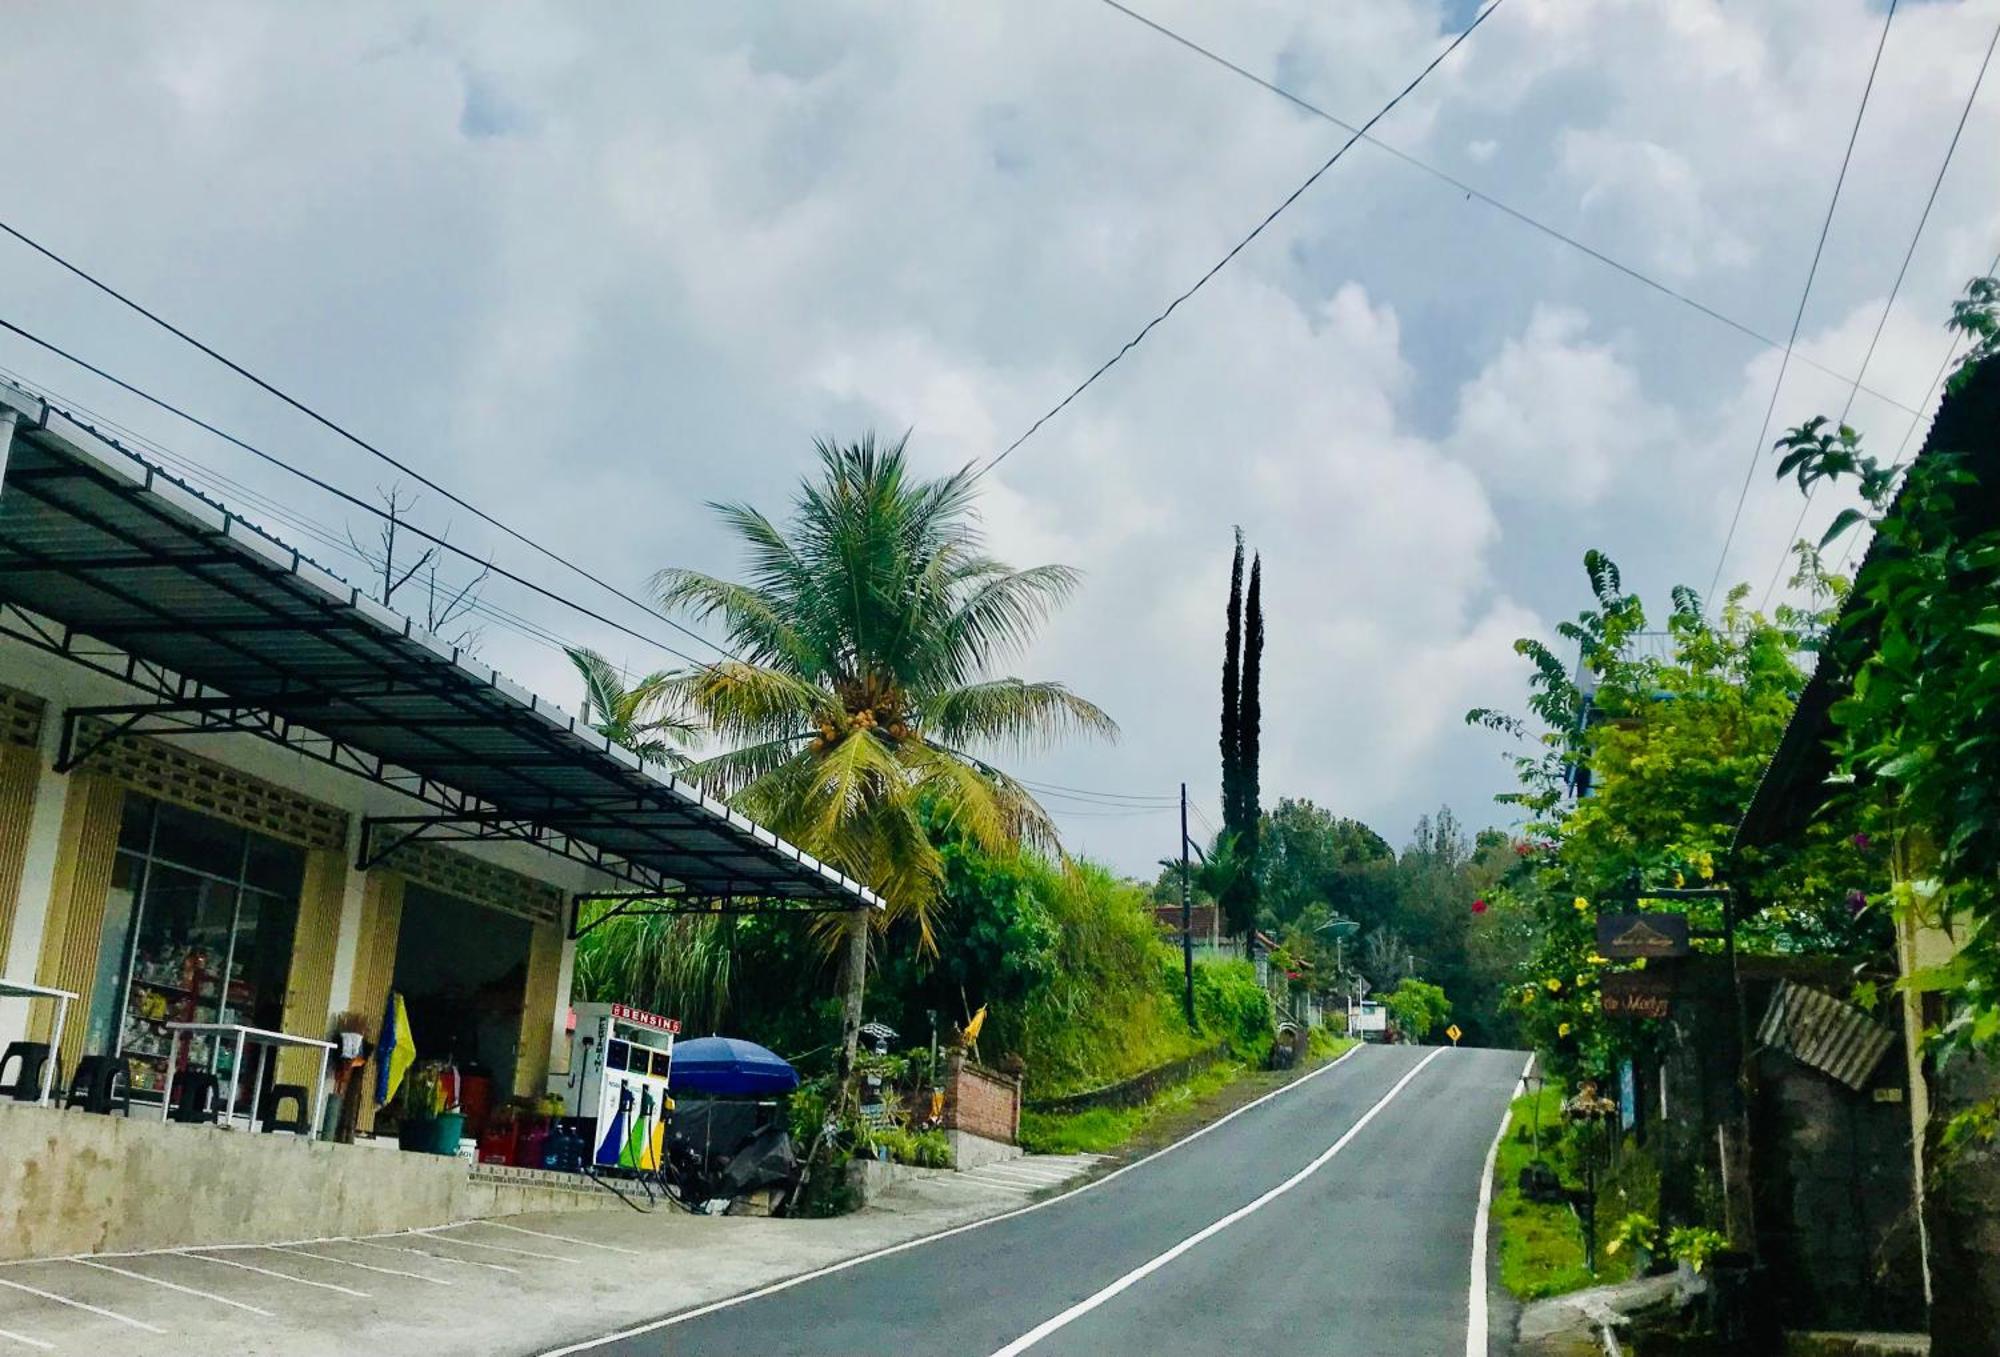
1335, 1219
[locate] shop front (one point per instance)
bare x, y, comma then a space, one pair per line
237, 793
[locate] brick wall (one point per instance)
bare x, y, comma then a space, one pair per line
981, 1101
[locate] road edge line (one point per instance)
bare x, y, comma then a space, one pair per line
786, 1283
1476, 1317
1215, 1227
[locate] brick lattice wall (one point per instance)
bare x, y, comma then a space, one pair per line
981, 1101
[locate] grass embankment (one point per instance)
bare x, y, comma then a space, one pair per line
1100, 1130
1541, 1246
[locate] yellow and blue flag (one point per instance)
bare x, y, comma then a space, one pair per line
396, 1052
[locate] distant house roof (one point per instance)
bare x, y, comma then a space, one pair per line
1203, 919
1794, 785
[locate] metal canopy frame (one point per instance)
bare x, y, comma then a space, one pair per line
115, 565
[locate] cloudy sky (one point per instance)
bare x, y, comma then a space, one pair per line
593, 266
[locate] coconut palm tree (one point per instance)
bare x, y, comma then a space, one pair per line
640, 717
866, 628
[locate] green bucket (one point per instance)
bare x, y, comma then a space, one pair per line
449, 1130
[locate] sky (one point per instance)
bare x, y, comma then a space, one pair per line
593, 267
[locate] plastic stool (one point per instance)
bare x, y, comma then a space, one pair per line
101, 1083
194, 1097
29, 1058
295, 1094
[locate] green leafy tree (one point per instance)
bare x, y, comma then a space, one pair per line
1916, 655
867, 629
1667, 734
1417, 1007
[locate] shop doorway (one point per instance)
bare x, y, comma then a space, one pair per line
462, 970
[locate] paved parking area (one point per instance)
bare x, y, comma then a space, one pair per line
519, 1285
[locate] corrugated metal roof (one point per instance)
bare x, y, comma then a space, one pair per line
101, 541
1819, 1030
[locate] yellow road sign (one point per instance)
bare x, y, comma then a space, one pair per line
1453, 1032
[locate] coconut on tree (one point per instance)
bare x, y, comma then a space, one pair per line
866, 629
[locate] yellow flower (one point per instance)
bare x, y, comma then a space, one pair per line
1554, 985
1597, 960
1562, 1029
1679, 880
1706, 866
1528, 995
1582, 905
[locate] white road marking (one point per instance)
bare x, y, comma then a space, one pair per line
1213, 1228
1475, 1315
11, 1336
82, 1305
859, 1260
561, 1238
436, 1238
365, 1267
171, 1286
435, 1257
268, 1272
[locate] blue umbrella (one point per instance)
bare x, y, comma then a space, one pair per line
729, 1067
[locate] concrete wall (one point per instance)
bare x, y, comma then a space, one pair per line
71, 1182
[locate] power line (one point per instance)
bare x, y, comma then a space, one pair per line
354, 438
1240, 245
1446, 177
1798, 317
354, 500
240, 492
1080, 793
1937, 379
1883, 320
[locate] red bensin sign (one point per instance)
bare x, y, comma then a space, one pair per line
626, 1013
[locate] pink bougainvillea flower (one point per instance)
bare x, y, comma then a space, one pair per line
1860, 841
1478, 906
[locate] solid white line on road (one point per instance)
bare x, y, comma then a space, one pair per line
171, 1286
365, 1267
22, 1338
268, 1272
436, 1238
1475, 1315
561, 1238
82, 1305
435, 1257
859, 1259
1213, 1228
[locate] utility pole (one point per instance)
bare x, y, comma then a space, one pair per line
1187, 921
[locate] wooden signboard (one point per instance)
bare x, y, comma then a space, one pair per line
1636, 994
1627, 937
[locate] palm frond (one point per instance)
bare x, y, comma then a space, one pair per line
1014, 713
751, 702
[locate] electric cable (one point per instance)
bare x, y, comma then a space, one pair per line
1136, 340
351, 499
1798, 317
1883, 320
354, 438
1452, 180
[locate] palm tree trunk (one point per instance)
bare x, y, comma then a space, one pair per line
853, 984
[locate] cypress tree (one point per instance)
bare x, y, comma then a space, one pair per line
1232, 743
1249, 719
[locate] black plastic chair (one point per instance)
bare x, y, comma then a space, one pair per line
29, 1059
195, 1097
102, 1084
280, 1094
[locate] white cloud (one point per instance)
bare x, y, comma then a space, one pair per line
594, 267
